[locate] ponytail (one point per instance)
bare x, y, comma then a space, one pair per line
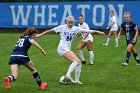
29, 31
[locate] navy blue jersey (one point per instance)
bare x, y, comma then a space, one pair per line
22, 46
129, 30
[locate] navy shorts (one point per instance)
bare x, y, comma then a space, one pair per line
131, 42
18, 60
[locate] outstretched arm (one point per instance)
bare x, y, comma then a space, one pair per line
43, 33
38, 46
77, 36
98, 32
92, 31
119, 33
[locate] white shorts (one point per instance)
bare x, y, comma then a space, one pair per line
88, 39
62, 50
114, 29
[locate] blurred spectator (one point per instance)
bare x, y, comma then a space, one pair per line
57, 0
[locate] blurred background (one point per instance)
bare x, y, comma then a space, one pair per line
46, 14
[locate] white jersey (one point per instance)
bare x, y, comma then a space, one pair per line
115, 26
85, 26
67, 35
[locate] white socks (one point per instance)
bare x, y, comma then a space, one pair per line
108, 40
81, 55
77, 72
91, 55
71, 68
116, 40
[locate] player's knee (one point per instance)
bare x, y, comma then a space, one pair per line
79, 62
128, 49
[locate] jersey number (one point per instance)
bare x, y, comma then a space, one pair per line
20, 43
69, 38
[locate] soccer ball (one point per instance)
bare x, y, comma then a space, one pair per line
63, 81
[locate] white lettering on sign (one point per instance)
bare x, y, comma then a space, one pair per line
49, 15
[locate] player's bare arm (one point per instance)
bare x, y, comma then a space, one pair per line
98, 32
38, 46
136, 30
43, 33
119, 33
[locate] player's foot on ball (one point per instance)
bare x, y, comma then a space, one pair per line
83, 62
69, 78
43, 85
124, 64
7, 82
105, 44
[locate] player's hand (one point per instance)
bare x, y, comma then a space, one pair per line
43, 52
134, 40
102, 33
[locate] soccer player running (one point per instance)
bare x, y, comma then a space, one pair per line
113, 29
131, 31
67, 33
19, 57
87, 40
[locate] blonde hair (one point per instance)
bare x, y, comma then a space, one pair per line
70, 18
126, 13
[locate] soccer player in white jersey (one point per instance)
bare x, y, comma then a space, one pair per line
67, 34
113, 29
87, 40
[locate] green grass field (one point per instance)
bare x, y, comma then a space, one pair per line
106, 76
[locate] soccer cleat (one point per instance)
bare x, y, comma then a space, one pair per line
124, 64
78, 82
105, 44
83, 62
138, 64
116, 46
7, 82
91, 64
43, 85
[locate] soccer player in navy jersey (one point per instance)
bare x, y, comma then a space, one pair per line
19, 56
131, 31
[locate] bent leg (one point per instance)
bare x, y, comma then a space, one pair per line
80, 52
108, 39
70, 56
129, 47
90, 50
116, 39
35, 74
13, 76
136, 57
14, 72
